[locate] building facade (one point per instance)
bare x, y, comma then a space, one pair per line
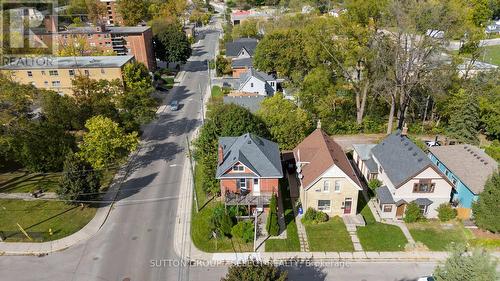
113, 17
57, 73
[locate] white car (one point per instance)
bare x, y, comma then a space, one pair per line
426, 278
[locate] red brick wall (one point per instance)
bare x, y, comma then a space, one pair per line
228, 185
266, 185
269, 185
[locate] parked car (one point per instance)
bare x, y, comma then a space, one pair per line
426, 278
174, 105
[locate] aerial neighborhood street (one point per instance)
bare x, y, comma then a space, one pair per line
250, 140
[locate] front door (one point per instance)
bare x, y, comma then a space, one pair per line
256, 187
347, 205
400, 210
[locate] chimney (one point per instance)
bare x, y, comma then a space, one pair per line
220, 155
404, 131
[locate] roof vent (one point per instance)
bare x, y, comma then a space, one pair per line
406, 143
249, 142
420, 159
485, 163
414, 154
482, 160
410, 148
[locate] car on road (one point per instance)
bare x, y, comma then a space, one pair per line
426, 278
174, 105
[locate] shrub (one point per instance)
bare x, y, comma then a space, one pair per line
310, 214
486, 208
314, 216
243, 230
446, 212
374, 184
412, 213
272, 225
321, 217
221, 223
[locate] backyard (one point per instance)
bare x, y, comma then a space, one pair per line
331, 236
438, 236
376, 236
37, 217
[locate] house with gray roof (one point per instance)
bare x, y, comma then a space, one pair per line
249, 169
251, 103
468, 168
241, 48
258, 82
406, 173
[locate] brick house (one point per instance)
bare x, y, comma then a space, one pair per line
249, 169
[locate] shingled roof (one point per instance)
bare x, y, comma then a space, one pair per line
233, 48
321, 152
258, 154
400, 158
469, 163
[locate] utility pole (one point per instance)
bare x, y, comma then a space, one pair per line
202, 106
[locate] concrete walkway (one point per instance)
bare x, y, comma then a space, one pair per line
304, 244
27, 196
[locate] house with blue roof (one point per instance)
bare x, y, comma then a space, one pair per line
468, 168
407, 176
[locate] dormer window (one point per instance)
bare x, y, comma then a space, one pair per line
238, 168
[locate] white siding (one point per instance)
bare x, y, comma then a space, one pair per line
259, 87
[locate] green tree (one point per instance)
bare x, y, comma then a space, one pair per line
464, 117
133, 11
171, 44
446, 212
272, 226
62, 110
220, 221
288, 124
79, 180
243, 230
42, 146
223, 66
317, 85
254, 271
247, 28
374, 184
464, 264
486, 208
105, 142
412, 213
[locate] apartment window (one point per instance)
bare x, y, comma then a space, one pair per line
326, 186
424, 186
89, 36
56, 83
238, 168
324, 205
102, 70
46, 83
243, 183
251, 85
387, 208
53, 73
337, 186
108, 44
30, 74
86, 72
106, 35
92, 44
43, 72
71, 72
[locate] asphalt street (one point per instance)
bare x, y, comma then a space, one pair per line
140, 227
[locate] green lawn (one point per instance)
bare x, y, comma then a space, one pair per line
24, 182
217, 92
291, 243
331, 236
37, 217
492, 54
376, 236
436, 237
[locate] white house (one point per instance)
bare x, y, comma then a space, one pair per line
407, 176
256, 82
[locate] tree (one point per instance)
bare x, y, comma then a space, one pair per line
96, 11
42, 146
105, 142
223, 66
220, 221
61, 110
465, 264
288, 124
79, 181
79, 47
464, 117
374, 184
485, 210
244, 230
132, 11
272, 225
247, 28
413, 213
254, 271
446, 212
171, 44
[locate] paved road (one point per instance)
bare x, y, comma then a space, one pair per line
136, 232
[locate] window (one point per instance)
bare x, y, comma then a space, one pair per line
108, 44
53, 72
424, 186
251, 85
92, 44
243, 183
324, 205
380, 170
423, 209
387, 208
30, 74
238, 168
454, 180
102, 70
272, 84
56, 83
46, 83
326, 186
86, 72
43, 72
71, 72
446, 173
337, 186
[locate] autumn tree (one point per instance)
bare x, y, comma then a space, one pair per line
133, 11
253, 271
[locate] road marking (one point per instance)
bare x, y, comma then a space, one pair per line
174, 165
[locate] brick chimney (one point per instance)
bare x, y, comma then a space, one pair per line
220, 155
404, 131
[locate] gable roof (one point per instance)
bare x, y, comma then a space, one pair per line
242, 62
400, 158
233, 49
258, 154
251, 103
320, 152
469, 163
251, 72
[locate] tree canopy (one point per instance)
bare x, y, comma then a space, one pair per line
486, 208
171, 44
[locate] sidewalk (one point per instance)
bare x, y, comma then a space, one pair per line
27, 196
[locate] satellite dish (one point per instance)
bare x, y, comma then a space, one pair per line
299, 169
301, 176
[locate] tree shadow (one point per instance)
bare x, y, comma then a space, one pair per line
303, 270
134, 185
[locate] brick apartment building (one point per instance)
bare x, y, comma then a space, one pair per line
113, 17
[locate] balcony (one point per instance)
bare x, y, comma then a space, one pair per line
247, 198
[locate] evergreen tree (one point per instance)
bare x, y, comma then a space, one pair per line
464, 117
272, 225
486, 208
79, 180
